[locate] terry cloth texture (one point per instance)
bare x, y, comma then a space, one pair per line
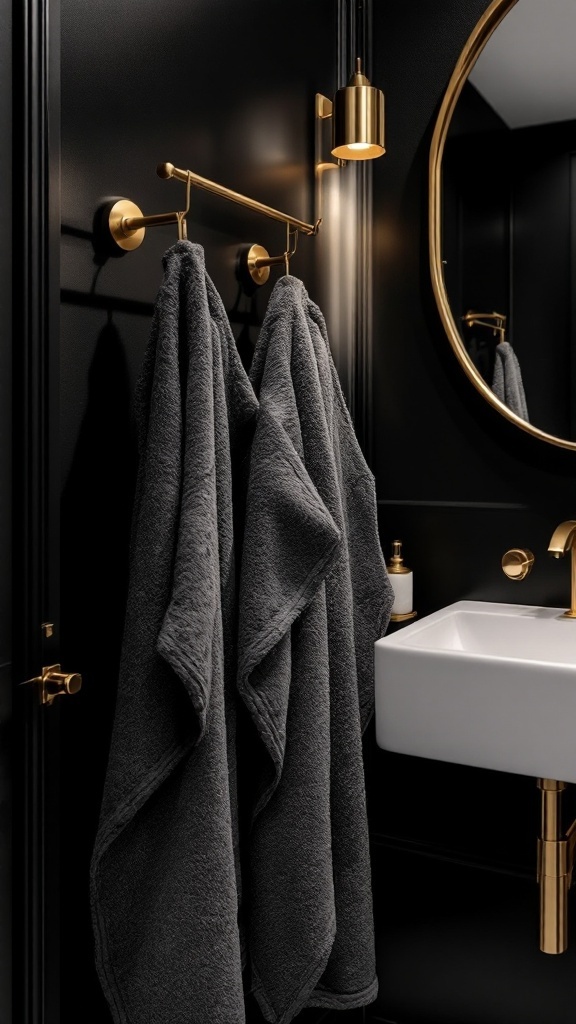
507, 380
314, 597
164, 883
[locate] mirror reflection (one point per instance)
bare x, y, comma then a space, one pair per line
509, 214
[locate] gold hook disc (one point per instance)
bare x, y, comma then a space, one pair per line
124, 237
258, 274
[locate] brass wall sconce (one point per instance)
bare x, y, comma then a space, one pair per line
357, 118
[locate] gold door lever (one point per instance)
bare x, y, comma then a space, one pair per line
55, 683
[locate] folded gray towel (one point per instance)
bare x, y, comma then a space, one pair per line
314, 596
507, 380
164, 874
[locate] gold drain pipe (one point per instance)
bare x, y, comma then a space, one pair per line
555, 863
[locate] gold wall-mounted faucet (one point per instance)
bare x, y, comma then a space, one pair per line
562, 540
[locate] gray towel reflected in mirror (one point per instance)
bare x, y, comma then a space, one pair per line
507, 380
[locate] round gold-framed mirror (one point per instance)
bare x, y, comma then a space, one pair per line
493, 312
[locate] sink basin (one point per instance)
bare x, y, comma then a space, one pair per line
484, 684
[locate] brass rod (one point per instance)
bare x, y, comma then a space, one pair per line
499, 327
270, 261
151, 221
491, 327
482, 323
472, 316
167, 170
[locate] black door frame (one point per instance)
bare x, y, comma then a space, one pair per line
36, 172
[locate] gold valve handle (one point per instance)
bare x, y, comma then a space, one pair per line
517, 563
55, 683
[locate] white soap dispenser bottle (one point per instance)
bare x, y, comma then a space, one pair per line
401, 578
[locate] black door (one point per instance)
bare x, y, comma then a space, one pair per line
39, 686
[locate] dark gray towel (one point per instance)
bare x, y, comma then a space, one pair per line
164, 869
314, 596
507, 380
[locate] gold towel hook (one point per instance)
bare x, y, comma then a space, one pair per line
254, 261
290, 252
181, 217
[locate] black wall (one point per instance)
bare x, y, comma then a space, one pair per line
453, 847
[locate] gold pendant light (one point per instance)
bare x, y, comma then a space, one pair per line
358, 119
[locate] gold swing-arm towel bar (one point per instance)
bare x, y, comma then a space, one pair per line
167, 170
498, 327
126, 223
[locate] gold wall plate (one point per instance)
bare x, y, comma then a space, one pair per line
258, 274
125, 238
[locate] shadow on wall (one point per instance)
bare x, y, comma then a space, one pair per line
96, 513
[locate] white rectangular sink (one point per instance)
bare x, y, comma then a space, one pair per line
484, 684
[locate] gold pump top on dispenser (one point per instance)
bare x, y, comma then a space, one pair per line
402, 610
396, 563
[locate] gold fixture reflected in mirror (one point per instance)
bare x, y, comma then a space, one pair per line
357, 114
498, 325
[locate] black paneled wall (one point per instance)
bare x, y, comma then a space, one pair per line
453, 847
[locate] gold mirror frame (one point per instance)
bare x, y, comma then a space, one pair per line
489, 21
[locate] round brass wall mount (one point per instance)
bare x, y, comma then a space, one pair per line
125, 237
259, 274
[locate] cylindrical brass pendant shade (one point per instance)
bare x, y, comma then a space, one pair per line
358, 119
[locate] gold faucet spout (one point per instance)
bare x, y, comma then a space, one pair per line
562, 540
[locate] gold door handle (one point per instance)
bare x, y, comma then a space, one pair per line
55, 683
517, 563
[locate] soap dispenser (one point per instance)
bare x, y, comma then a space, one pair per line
401, 578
